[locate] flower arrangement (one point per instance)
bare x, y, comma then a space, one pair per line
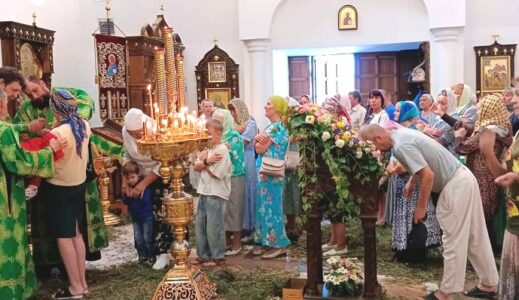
324, 134
344, 277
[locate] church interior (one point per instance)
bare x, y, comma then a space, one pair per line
161, 62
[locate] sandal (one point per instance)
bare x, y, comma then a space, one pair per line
476, 292
277, 253
198, 261
64, 293
214, 263
431, 296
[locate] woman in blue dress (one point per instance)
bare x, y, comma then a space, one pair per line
245, 124
269, 229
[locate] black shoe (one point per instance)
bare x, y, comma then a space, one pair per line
431, 296
64, 293
477, 293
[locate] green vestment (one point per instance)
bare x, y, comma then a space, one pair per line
45, 250
17, 277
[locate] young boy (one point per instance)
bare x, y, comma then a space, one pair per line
141, 211
214, 188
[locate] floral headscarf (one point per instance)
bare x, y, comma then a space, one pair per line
242, 112
408, 111
493, 112
65, 105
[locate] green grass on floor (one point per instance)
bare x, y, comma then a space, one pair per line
133, 282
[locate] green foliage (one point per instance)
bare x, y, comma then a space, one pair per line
329, 147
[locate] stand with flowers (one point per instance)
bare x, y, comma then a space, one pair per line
343, 278
332, 157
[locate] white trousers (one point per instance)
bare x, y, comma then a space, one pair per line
460, 214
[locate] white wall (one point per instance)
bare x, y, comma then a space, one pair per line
197, 21
484, 18
313, 23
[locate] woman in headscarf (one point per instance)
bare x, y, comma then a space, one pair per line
269, 229
132, 131
245, 124
234, 208
403, 206
443, 132
509, 271
68, 189
493, 116
465, 106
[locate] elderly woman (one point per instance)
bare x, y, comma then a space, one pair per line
509, 272
427, 115
492, 116
445, 104
269, 229
149, 168
68, 189
403, 206
465, 106
234, 207
245, 124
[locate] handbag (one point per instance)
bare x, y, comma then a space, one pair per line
272, 167
292, 160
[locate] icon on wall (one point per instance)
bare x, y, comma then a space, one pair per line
347, 18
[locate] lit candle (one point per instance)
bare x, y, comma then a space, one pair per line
156, 117
151, 100
144, 128
175, 124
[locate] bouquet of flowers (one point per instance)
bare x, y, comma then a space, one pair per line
324, 134
344, 278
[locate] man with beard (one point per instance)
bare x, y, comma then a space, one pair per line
45, 251
12, 82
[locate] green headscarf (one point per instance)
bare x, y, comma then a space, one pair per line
280, 103
465, 97
224, 116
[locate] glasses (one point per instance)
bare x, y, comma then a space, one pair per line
443, 92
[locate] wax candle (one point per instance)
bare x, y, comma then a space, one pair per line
151, 100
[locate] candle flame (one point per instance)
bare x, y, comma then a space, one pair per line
149, 87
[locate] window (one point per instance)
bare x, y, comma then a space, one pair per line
333, 74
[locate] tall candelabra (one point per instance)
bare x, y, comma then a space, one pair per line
171, 72
181, 81
170, 139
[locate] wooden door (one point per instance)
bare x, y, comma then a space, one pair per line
376, 71
299, 75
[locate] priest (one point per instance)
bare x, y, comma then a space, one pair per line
45, 250
17, 277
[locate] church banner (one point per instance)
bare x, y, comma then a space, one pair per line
111, 54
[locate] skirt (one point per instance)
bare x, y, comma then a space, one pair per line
66, 207
509, 273
234, 207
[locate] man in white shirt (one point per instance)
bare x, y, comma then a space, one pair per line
357, 111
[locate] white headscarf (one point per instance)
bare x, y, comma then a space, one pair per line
134, 120
451, 100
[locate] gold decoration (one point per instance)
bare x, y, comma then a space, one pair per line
160, 75
103, 166
181, 81
171, 73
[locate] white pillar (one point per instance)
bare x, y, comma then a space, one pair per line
260, 78
446, 57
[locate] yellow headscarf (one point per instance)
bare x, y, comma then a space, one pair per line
280, 103
493, 112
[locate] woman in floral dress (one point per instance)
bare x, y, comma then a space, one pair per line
269, 229
406, 113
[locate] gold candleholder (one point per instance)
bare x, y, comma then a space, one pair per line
171, 72
181, 81
183, 281
103, 166
160, 75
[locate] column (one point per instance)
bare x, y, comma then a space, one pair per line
260, 77
446, 57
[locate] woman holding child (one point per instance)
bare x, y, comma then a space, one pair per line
269, 230
149, 170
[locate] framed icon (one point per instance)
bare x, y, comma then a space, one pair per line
217, 72
494, 67
220, 96
348, 18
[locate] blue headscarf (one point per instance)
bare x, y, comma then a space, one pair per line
408, 111
65, 105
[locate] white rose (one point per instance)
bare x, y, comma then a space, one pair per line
326, 136
340, 143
